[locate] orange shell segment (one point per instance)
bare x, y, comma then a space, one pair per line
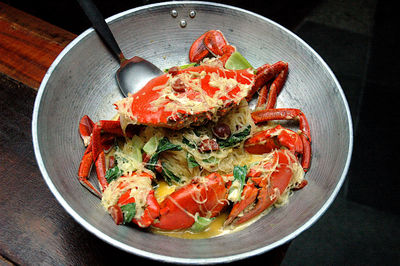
208, 90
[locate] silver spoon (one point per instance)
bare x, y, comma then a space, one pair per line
133, 73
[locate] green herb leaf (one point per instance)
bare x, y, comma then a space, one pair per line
239, 175
201, 224
237, 61
168, 175
151, 145
188, 143
199, 131
211, 159
113, 173
184, 66
192, 163
137, 142
235, 138
163, 145
129, 211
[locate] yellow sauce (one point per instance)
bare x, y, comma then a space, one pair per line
163, 190
215, 229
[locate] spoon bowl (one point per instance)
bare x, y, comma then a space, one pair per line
133, 73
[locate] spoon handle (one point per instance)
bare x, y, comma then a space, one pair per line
99, 24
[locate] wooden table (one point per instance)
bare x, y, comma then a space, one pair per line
34, 228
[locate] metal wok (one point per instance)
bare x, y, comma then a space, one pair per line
81, 81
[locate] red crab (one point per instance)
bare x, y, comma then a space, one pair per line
193, 96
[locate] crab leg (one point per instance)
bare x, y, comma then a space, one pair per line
306, 159
228, 50
283, 114
83, 173
94, 152
111, 126
108, 126
262, 96
269, 194
101, 170
266, 73
84, 170
290, 114
96, 141
262, 68
276, 87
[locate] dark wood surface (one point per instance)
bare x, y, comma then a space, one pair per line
28, 45
34, 228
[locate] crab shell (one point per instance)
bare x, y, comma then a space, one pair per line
209, 92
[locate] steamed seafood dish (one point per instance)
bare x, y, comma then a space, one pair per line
187, 156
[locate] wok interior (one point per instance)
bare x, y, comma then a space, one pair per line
83, 83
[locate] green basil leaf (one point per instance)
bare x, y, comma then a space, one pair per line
188, 143
189, 65
192, 163
211, 159
151, 145
237, 61
129, 211
163, 145
234, 138
113, 173
201, 224
184, 66
168, 175
239, 175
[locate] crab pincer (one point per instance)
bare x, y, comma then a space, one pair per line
290, 114
205, 197
270, 181
211, 42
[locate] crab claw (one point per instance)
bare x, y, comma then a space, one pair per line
85, 129
249, 195
151, 212
198, 50
274, 138
271, 187
290, 114
213, 42
206, 197
134, 188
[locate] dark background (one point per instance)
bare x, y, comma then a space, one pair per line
358, 40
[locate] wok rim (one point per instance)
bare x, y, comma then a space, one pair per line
173, 259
